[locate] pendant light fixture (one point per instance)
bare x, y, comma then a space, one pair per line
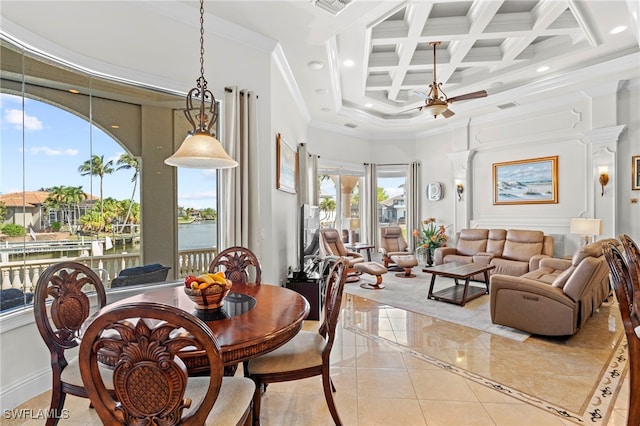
200, 150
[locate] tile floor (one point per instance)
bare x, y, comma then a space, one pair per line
393, 367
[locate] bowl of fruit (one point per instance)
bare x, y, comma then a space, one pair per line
207, 290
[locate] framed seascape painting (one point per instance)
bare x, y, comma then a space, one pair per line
635, 172
286, 167
532, 181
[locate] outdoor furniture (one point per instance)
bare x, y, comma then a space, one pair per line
308, 353
14, 297
145, 274
150, 381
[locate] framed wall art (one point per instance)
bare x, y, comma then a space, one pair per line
532, 181
286, 166
635, 172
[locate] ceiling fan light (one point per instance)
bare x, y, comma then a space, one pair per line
435, 109
201, 151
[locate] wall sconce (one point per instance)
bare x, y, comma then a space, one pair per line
459, 190
604, 177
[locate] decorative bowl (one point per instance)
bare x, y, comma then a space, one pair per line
211, 297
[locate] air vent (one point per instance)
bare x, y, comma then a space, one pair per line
508, 105
350, 125
332, 6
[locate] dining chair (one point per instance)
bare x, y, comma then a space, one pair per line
632, 252
627, 293
236, 262
307, 354
63, 300
151, 383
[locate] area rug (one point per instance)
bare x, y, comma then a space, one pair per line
576, 378
411, 294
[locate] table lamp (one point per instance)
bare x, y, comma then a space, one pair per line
586, 228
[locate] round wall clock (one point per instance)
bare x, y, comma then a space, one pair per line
434, 191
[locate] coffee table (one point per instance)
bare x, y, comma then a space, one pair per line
458, 294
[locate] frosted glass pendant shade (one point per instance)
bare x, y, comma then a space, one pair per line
201, 151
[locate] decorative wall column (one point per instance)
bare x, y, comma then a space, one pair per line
461, 175
604, 147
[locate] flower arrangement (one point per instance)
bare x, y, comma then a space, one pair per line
430, 236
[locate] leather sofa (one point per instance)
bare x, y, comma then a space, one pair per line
557, 298
512, 252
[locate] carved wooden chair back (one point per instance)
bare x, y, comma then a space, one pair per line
62, 302
626, 294
632, 252
334, 283
150, 381
236, 262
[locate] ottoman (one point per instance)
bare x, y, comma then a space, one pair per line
372, 268
406, 261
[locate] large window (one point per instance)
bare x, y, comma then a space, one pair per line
340, 205
68, 170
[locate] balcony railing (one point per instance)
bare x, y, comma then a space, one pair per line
24, 275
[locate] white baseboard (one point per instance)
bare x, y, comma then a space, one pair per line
29, 387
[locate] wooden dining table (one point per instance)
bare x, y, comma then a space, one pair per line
254, 319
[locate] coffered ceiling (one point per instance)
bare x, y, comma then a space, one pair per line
364, 66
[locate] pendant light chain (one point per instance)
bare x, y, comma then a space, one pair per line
202, 42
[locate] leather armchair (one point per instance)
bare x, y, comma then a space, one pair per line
557, 298
392, 243
331, 245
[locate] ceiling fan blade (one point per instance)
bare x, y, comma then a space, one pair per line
419, 108
418, 93
472, 95
447, 113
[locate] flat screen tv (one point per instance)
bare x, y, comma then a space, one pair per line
309, 243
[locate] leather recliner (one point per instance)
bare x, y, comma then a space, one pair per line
392, 243
331, 245
557, 298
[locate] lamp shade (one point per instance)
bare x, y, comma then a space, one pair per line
436, 108
201, 151
583, 226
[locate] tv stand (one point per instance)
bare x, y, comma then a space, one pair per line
309, 286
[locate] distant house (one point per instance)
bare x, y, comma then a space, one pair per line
27, 209
392, 209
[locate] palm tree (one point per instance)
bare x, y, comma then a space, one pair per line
126, 162
97, 167
74, 195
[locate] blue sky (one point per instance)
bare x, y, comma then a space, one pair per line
57, 142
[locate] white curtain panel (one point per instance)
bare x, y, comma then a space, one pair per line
370, 205
307, 176
413, 204
238, 189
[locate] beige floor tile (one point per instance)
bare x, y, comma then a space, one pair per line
390, 412
384, 383
441, 385
455, 413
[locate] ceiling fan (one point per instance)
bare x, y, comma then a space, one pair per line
436, 101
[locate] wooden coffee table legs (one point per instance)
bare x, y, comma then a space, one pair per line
458, 294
